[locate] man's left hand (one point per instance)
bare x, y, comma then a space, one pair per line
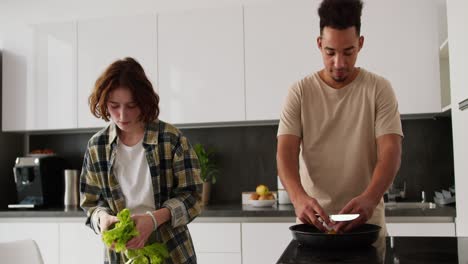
362, 205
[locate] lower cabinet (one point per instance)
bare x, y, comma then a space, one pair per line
263, 243
421, 229
216, 258
68, 240
60, 240
46, 236
217, 242
79, 244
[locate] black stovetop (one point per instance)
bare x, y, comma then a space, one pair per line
398, 250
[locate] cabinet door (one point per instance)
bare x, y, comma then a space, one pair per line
404, 49
45, 234
216, 258
263, 243
55, 76
201, 67
79, 244
280, 49
421, 229
101, 42
17, 78
216, 237
458, 40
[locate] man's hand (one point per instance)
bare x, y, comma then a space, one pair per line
362, 205
308, 210
144, 225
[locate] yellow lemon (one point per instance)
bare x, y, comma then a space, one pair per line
262, 189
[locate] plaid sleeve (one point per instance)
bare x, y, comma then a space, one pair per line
186, 204
90, 193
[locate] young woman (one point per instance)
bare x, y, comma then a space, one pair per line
141, 163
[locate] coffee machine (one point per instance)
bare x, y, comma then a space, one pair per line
39, 181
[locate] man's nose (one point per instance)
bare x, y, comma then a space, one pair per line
339, 61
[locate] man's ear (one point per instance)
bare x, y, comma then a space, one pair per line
319, 42
361, 42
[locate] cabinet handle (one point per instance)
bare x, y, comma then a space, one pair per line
463, 105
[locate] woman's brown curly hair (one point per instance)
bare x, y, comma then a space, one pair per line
126, 73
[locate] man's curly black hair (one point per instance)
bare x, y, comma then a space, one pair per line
340, 14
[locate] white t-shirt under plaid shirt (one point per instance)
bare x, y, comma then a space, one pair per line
133, 175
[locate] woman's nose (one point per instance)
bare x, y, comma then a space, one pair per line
122, 113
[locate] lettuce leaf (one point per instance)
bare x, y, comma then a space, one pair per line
125, 230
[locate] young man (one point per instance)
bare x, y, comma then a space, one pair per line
339, 137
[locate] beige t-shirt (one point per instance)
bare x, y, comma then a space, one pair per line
338, 129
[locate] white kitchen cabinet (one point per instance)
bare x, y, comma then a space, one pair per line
280, 49
39, 77
216, 258
45, 234
405, 50
263, 243
445, 76
17, 78
201, 66
216, 242
54, 105
458, 40
101, 42
421, 229
79, 244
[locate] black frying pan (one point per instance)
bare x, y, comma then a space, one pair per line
361, 236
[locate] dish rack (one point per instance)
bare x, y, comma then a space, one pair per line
445, 196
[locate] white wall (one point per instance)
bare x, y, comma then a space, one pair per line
458, 53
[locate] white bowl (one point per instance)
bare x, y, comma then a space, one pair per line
262, 203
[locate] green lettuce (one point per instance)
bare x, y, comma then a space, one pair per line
125, 230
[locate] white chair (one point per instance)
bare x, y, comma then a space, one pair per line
20, 252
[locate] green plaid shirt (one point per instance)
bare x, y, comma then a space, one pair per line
175, 174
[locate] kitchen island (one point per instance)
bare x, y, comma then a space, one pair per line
398, 250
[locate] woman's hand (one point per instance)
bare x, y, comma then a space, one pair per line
144, 225
106, 220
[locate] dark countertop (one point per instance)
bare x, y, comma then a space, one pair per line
235, 210
400, 250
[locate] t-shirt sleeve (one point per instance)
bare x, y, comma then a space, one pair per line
387, 117
290, 117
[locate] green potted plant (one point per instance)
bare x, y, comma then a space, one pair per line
209, 170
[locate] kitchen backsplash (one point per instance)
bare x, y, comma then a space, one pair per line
247, 156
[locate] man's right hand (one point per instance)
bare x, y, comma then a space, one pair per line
308, 210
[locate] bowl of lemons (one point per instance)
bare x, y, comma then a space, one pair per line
262, 197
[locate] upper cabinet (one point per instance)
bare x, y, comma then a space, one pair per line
55, 83
217, 64
445, 76
201, 66
280, 49
404, 48
17, 78
101, 42
39, 77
